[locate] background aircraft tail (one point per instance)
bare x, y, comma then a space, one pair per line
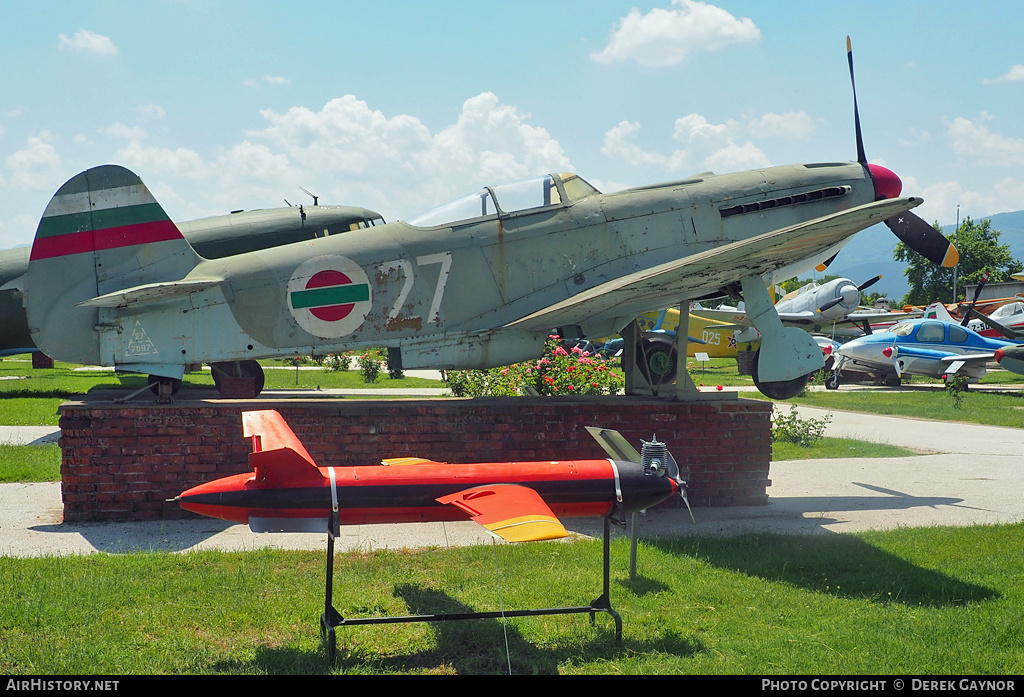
938, 311
103, 231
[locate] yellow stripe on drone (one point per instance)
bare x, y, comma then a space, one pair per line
533, 528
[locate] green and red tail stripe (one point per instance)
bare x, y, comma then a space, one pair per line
123, 215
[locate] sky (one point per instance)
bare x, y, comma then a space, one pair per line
400, 106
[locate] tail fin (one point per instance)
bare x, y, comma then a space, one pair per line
938, 311
278, 456
103, 231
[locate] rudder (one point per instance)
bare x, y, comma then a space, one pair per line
102, 231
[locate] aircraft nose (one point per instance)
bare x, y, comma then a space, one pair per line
887, 184
850, 296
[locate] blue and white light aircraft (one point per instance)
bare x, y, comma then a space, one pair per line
932, 347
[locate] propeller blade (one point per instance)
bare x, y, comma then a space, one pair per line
861, 157
830, 304
1010, 334
977, 292
870, 282
914, 232
824, 265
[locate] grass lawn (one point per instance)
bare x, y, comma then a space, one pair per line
914, 601
992, 409
30, 397
831, 448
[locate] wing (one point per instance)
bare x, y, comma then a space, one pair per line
730, 317
708, 271
512, 512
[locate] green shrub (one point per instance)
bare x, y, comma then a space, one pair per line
559, 371
792, 429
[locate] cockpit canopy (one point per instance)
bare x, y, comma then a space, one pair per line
539, 192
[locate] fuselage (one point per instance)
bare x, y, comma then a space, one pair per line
444, 294
408, 493
919, 347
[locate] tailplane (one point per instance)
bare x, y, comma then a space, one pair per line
102, 232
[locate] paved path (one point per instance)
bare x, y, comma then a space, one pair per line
970, 475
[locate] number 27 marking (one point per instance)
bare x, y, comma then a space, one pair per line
409, 278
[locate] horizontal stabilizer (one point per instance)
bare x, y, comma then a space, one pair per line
512, 512
150, 293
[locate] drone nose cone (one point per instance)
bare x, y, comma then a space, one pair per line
887, 184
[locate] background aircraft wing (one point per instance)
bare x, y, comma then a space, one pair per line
707, 272
727, 316
512, 512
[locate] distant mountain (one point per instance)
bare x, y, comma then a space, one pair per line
870, 252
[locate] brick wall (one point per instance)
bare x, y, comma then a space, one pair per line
121, 462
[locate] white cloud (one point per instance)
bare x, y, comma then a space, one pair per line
396, 162
36, 166
151, 111
942, 198
269, 79
180, 162
88, 41
793, 125
707, 146
975, 141
735, 158
665, 37
695, 128
1015, 74
119, 130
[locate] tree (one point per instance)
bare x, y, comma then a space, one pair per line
979, 249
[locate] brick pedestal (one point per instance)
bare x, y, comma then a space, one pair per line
121, 462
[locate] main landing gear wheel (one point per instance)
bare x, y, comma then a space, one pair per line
660, 354
783, 389
238, 369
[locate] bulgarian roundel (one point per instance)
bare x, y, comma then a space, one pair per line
329, 296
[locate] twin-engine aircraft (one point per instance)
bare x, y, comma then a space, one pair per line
213, 237
477, 283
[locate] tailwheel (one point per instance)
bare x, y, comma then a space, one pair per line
222, 372
163, 387
783, 389
661, 358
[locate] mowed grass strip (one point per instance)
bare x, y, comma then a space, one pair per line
911, 601
30, 463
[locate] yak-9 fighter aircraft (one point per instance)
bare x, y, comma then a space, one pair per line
478, 283
111, 280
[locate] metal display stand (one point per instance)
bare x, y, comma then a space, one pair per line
331, 619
